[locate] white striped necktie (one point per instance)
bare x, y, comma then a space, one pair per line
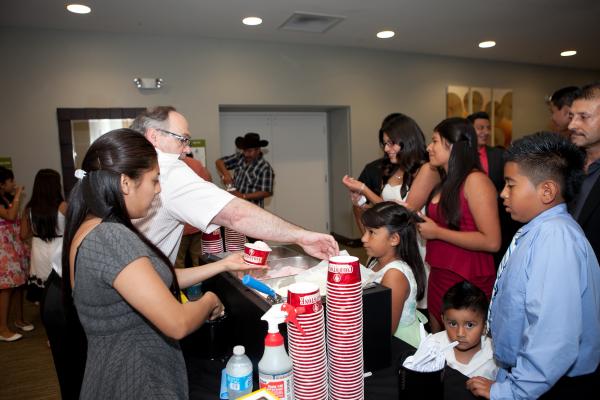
501, 267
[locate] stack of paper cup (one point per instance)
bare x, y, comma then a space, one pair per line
308, 351
212, 242
345, 329
234, 241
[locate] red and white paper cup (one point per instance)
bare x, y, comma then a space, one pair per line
344, 329
212, 242
256, 253
305, 295
308, 351
343, 270
234, 241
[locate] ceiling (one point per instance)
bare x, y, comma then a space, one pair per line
526, 31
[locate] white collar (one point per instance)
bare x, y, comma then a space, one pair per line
166, 156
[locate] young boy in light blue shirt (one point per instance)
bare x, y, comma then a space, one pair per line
544, 312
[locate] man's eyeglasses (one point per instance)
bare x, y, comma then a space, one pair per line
184, 140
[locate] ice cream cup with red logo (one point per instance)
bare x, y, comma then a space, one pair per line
256, 253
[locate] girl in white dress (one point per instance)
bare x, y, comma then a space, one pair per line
390, 239
406, 175
44, 219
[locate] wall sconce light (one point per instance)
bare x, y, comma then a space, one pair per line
148, 83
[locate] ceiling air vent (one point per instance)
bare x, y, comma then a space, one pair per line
308, 22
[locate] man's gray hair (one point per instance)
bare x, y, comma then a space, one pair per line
157, 118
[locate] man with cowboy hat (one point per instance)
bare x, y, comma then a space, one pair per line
253, 178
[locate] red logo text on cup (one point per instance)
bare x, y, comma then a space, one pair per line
306, 296
255, 256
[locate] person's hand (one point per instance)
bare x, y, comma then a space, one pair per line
355, 197
227, 179
18, 196
480, 386
19, 191
353, 184
427, 229
402, 203
218, 309
235, 262
237, 193
319, 245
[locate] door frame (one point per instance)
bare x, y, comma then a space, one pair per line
339, 162
64, 117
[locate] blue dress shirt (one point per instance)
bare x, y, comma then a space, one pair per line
546, 315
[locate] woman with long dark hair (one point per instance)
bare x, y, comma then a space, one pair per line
44, 219
406, 175
125, 290
461, 226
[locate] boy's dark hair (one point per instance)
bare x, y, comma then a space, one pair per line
563, 97
588, 92
465, 295
546, 155
478, 115
398, 219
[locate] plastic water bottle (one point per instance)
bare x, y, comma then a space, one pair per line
239, 374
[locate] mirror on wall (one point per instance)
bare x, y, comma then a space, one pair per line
79, 127
86, 131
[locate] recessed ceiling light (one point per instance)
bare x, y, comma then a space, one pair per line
385, 34
487, 44
79, 8
252, 21
568, 53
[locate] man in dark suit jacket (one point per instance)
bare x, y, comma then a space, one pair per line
492, 162
585, 134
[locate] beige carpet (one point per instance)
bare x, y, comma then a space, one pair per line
27, 371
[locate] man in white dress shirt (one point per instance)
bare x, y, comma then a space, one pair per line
187, 198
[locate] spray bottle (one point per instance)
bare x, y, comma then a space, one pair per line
275, 366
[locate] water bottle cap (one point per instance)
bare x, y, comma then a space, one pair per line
239, 350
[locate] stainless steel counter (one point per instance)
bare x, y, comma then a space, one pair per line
244, 308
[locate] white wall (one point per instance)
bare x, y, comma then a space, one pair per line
43, 70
